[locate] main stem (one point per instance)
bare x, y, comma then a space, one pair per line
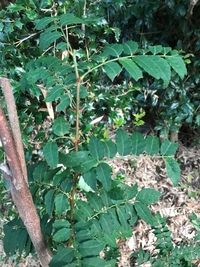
77, 134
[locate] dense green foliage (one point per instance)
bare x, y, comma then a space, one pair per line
84, 62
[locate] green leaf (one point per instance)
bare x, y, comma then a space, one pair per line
168, 148
60, 126
61, 204
131, 68
152, 145
95, 262
123, 217
110, 240
85, 208
116, 226
60, 177
83, 235
133, 215
40, 24
79, 216
114, 50
62, 257
62, 235
130, 47
49, 201
14, 7
85, 166
155, 49
70, 19
130, 191
59, 224
73, 158
96, 227
166, 50
103, 171
48, 38
110, 149
144, 213
51, 174
51, 154
22, 240
15, 231
138, 143
112, 69
177, 63
106, 222
62, 46
123, 142
83, 185
90, 178
67, 184
90, 248
156, 66
173, 170
101, 57
39, 172
105, 198
95, 201
64, 103
96, 148
148, 196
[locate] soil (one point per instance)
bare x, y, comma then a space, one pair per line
176, 203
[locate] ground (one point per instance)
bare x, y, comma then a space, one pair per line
176, 203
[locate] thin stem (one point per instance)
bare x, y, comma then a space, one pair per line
77, 100
76, 138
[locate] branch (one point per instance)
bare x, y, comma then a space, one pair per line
14, 122
20, 192
190, 8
